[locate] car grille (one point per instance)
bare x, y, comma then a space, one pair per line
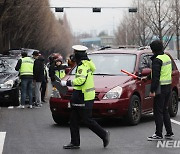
69, 94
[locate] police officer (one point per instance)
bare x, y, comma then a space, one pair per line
57, 69
25, 68
82, 99
161, 90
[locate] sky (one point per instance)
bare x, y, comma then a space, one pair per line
83, 20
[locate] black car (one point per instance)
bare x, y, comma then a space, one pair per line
9, 81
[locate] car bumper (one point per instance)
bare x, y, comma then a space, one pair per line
8, 96
103, 108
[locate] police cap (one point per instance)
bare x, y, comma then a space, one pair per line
79, 48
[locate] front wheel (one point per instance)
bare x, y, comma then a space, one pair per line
173, 104
134, 111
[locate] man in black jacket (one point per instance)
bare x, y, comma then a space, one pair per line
38, 71
161, 90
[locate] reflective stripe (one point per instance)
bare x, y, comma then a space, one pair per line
82, 76
166, 63
165, 82
90, 89
78, 104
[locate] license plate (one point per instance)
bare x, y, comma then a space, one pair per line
69, 105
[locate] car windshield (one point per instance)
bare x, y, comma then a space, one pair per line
7, 65
111, 64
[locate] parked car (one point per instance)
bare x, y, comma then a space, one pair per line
117, 94
17, 52
9, 81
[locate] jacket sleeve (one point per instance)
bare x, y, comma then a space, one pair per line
156, 70
81, 76
18, 65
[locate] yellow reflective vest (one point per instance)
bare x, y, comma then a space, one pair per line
60, 73
166, 69
27, 66
84, 79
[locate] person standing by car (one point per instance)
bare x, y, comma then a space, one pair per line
82, 99
57, 69
161, 90
38, 71
25, 68
44, 84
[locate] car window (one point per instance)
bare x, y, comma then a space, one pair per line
7, 65
145, 61
111, 64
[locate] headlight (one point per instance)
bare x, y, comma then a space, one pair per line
7, 84
114, 93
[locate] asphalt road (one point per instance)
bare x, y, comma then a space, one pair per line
33, 131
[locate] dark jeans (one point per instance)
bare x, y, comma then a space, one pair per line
161, 113
85, 115
26, 87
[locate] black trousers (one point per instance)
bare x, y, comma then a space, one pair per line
43, 89
84, 114
161, 113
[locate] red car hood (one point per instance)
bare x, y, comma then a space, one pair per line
107, 81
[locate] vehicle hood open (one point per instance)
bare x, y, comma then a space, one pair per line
4, 76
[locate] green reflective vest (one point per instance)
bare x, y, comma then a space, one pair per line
166, 69
60, 73
84, 79
27, 66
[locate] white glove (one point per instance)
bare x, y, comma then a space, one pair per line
63, 83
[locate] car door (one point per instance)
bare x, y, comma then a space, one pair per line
145, 62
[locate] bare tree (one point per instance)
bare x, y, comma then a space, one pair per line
159, 15
176, 23
31, 24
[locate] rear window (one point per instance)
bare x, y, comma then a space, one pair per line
111, 64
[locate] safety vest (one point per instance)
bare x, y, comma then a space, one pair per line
60, 73
84, 80
27, 66
166, 69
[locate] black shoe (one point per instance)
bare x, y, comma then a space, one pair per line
107, 139
71, 146
155, 138
169, 136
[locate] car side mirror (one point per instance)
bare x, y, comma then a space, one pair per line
67, 70
146, 71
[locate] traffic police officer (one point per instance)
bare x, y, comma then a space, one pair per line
82, 99
161, 79
57, 69
25, 67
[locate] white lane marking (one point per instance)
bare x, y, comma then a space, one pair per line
176, 122
2, 138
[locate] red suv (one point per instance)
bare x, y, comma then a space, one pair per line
117, 94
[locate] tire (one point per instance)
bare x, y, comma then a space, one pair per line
60, 120
134, 111
173, 104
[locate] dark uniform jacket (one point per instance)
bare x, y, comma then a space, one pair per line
156, 70
38, 69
